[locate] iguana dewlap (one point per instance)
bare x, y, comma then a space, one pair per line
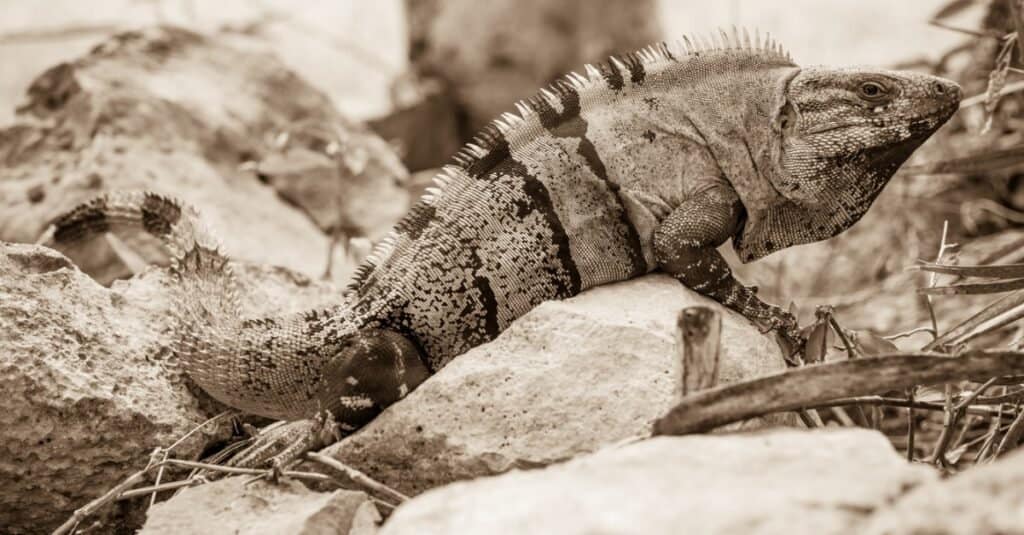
648, 162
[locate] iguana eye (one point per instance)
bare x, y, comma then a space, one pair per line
872, 90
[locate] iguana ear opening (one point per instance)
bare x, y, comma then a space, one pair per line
785, 118
785, 114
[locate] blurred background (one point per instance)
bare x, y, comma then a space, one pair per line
354, 49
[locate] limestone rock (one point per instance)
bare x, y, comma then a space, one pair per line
566, 378
987, 498
172, 111
232, 506
88, 388
788, 481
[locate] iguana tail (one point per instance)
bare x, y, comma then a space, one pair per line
208, 290
288, 366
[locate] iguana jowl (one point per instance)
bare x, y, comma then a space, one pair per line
648, 162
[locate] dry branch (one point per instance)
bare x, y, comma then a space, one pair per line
803, 387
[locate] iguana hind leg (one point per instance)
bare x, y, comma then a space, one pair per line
373, 369
685, 247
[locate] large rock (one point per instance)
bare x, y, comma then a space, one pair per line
566, 378
984, 499
234, 506
168, 110
88, 388
779, 482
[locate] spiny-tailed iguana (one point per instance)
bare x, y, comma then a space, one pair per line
648, 162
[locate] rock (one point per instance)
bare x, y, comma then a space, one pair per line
566, 378
487, 53
984, 499
232, 506
168, 110
88, 388
819, 482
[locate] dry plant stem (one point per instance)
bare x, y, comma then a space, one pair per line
968, 422
999, 313
967, 31
850, 351
899, 402
167, 451
357, 476
949, 419
912, 332
804, 387
123, 488
990, 437
911, 426
81, 513
843, 417
1012, 437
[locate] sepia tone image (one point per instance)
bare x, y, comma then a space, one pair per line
511, 267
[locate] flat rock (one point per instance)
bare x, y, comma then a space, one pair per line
783, 481
987, 498
233, 506
89, 391
566, 378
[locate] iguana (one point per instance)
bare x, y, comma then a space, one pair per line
647, 162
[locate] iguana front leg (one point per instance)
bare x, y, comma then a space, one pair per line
685, 247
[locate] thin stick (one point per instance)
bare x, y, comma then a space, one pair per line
82, 512
1012, 436
356, 476
167, 451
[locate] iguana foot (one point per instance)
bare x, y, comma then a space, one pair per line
786, 326
277, 447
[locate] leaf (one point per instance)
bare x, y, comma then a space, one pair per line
995, 271
818, 342
974, 288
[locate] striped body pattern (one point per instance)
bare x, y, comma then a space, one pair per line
648, 162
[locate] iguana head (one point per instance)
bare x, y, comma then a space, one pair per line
838, 136
849, 130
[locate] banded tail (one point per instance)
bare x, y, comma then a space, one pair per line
287, 367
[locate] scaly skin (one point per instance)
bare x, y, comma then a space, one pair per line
647, 163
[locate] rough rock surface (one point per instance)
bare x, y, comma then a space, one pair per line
494, 53
172, 111
567, 378
233, 506
788, 481
88, 388
984, 499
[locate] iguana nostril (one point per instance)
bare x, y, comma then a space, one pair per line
939, 88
